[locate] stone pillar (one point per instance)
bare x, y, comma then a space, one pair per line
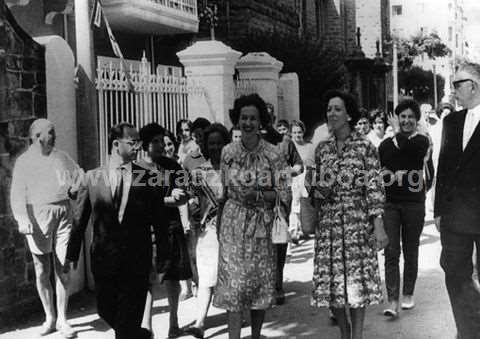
211, 65
263, 70
289, 109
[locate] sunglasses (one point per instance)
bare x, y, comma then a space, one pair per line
457, 83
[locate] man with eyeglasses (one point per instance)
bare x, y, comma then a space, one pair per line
122, 203
457, 201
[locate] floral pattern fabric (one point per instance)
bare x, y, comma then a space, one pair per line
346, 269
247, 260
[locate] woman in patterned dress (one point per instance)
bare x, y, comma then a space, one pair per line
350, 200
246, 274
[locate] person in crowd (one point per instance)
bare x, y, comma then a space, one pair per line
283, 127
40, 205
122, 205
208, 190
363, 124
246, 273
300, 202
457, 202
170, 145
403, 157
185, 139
195, 157
349, 194
185, 285
379, 123
172, 260
235, 134
444, 109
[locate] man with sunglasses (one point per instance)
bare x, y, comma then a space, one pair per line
457, 200
122, 203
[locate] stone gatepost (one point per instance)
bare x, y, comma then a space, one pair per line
211, 65
263, 70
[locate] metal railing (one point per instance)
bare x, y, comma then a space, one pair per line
186, 6
139, 97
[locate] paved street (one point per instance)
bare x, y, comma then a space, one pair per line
296, 319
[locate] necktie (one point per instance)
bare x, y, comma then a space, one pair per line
117, 196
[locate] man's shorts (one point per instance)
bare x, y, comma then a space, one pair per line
51, 231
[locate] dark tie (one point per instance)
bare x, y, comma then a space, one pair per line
117, 196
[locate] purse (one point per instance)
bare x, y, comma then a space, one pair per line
280, 234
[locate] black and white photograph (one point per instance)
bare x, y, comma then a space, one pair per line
239, 169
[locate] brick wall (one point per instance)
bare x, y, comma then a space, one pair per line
22, 99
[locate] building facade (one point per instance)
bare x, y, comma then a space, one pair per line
443, 17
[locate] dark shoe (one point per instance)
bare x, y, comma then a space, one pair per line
195, 331
280, 297
333, 319
175, 332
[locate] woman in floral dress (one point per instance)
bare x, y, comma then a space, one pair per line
350, 199
246, 275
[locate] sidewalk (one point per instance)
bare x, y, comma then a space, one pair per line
431, 318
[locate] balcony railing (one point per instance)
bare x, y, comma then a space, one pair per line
153, 16
187, 6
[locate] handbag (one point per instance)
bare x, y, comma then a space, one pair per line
280, 234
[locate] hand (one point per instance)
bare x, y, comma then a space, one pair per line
69, 265
380, 234
437, 223
160, 276
178, 194
25, 228
393, 121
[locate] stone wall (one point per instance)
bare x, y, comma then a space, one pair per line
22, 99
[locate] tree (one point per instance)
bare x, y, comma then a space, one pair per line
418, 83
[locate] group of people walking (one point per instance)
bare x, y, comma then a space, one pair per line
207, 210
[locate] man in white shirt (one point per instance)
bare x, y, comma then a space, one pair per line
457, 200
40, 204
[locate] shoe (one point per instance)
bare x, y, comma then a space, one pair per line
333, 319
280, 297
46, 329
175, 332
392, 310
407, 302
195, 331
66, 331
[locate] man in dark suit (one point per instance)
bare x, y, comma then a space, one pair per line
457, 201
122, 204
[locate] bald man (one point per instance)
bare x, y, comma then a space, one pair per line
39, 197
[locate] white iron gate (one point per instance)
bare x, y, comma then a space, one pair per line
139, 97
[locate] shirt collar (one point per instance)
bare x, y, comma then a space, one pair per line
113, 166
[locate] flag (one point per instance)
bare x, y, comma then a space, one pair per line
97, 13
113, 41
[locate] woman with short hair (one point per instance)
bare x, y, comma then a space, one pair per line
350, 200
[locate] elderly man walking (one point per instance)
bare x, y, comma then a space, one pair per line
457, 200
40, 204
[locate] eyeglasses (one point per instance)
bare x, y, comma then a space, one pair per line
457, 83
132, 143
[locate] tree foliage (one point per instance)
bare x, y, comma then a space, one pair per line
318, 68
430, 45
418, 83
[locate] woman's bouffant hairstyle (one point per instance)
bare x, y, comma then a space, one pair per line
250, 100
350, 103
406, 104
215, 128
150, 131
178, 128
297, 123
377, 113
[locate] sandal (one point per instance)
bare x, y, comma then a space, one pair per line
390, 313
46, 329
67, 331
195, 331
175, 332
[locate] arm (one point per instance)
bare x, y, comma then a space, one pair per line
81, 217
18, 198
295, 161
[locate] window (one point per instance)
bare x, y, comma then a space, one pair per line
450, 33
397, 10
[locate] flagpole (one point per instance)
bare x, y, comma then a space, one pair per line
395, 75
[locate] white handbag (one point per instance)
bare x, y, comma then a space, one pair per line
280, 234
